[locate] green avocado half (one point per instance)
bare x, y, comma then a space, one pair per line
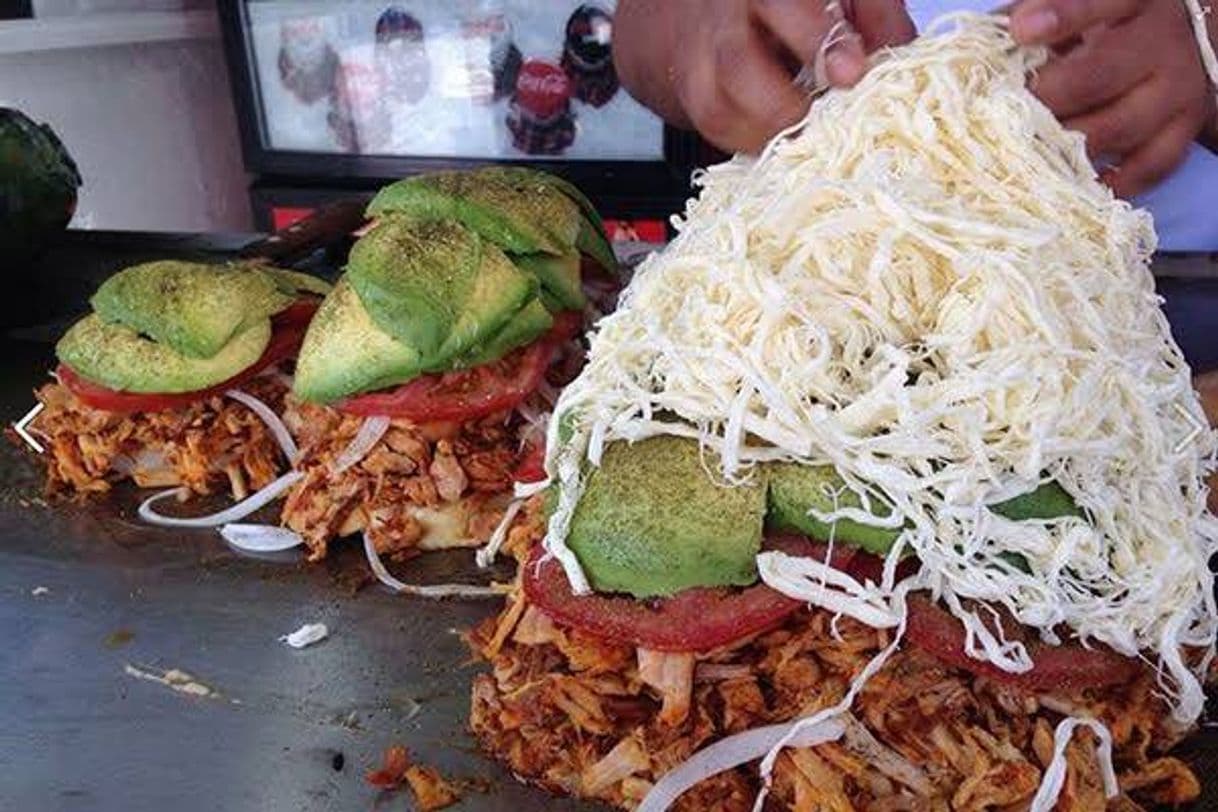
345, 352
436, 286
1048, 501
529, 322
530, 215
652, 522
796, 489
521, 217
558, 275
591, 239
192, 308
118, 357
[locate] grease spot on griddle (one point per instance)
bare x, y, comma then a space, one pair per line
118, 638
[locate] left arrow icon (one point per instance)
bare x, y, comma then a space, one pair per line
21, 425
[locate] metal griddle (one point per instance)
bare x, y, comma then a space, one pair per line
292, 730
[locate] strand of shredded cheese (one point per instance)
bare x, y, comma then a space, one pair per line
925, 285
1199, 14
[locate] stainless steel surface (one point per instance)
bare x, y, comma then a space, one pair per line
78, 733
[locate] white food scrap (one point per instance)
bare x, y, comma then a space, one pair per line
174, 679
306, 635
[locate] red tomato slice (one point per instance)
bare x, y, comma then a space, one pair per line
468, 394
1055, 668
299, 312
703, 619
532, 466
289, 327
692, 620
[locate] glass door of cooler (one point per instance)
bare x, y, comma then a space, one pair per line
460, 79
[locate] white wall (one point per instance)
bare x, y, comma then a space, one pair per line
150, 124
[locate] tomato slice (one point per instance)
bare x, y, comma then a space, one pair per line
299, 312
692, 620
1067, 667
703, 619
468, 394
289, 328
532, 466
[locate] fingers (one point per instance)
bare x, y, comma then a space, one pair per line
1153, 161
802, 27
1048, 22
1119, 128
742, 94
1100, 70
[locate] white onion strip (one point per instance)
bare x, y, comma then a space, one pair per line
1055, 773
278, 430
486, 556
236, 512
733, 752
436, 591
260, 538
369, 434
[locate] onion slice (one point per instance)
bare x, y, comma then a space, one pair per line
436, 591
486, 556
1055, 774
278, 430
236, 512
731, 752
260, 538
369, 434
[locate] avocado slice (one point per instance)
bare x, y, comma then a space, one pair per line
557, 274
591, 239
345, 352
797, 488
192, 308
521, 175
118, 357
435, 286
520, 216
530, 322
652, 521
1048, 501
291, 283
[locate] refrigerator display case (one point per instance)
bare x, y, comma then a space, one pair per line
334, 95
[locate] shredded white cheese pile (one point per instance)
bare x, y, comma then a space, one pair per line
925, 285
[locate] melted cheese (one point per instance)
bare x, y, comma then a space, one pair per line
925, 285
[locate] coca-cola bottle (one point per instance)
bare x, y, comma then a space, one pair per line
587, 55
307, 64
401, 56
492, 59
539, 115
358, 118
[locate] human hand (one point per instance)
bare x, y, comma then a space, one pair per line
1127, 74
725, 67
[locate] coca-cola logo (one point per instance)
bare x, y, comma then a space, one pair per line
550, 82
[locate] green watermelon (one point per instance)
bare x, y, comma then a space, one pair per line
38, 183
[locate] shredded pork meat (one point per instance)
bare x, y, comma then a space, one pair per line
214, 443
421, 487
589, 718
